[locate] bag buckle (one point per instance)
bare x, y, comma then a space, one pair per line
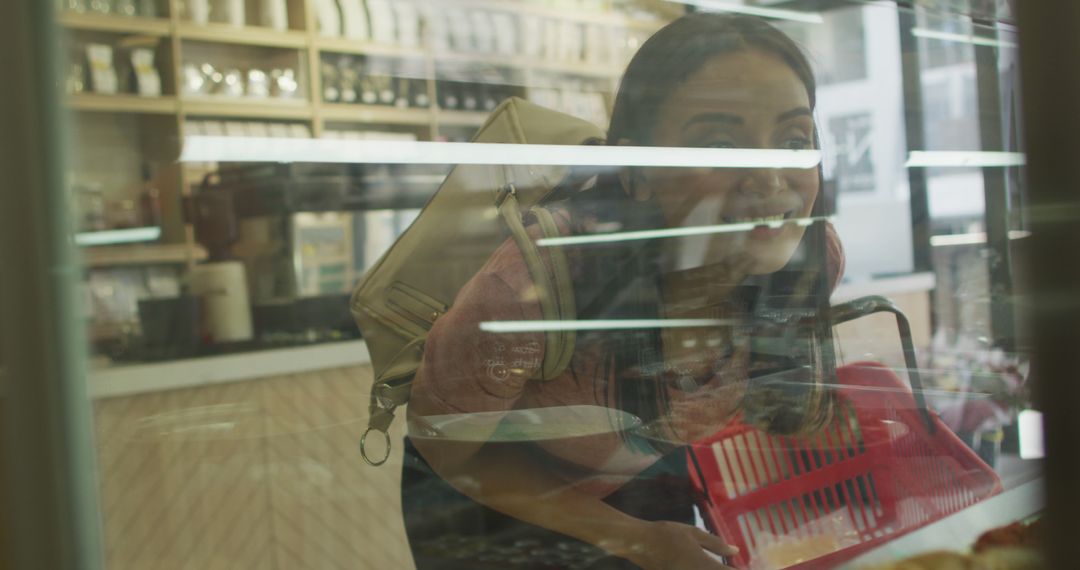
506, 191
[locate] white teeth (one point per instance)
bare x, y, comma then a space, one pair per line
772, 221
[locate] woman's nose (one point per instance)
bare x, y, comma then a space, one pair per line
762, 181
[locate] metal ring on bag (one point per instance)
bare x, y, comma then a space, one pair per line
363, 447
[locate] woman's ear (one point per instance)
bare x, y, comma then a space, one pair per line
632, 179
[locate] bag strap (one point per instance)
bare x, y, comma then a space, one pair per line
556, 299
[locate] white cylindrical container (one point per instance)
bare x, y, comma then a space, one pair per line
199, 10
275, 15
226, 311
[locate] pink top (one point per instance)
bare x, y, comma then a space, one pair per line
468, 370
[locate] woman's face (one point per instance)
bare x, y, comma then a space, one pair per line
749, 100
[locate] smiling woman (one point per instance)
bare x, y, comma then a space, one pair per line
620, 496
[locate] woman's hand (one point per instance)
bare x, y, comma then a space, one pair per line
666, 545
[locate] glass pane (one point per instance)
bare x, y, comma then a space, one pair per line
743, 267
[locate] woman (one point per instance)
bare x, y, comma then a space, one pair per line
620, 498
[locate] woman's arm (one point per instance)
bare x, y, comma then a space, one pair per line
507, 478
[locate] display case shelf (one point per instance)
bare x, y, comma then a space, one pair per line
125, 103
115, 24
247, 108
252, 36
341, 112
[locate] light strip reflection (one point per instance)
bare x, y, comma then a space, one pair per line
672, 232
967, 39
598, 324
271, 149
111, 237
775, 13
963, 159
971, 238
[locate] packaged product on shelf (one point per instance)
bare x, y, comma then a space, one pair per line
569, 47
213, 128
199, 11
149, 200
506, 33
258, 84
597, 50
383, 27
328, 17
274, 14
193, 80
408, 23
349, 79
354, 20
299, 131
103, 7
231, 12
412, 89
470, 97
236, 129
148, 8
552, 38
102, 73
483, 31
436, 27
488, 97
461, 33
232, 84
76, 78
77, 6
257, 129
284, 83
279, 130
532, 36
330, 80
147, 78
124, 8
449, 98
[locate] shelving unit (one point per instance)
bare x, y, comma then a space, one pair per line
161, 127
165, 105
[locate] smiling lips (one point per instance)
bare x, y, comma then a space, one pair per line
765, 227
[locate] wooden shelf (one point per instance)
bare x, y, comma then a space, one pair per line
253, 36
461, 118
570, 68
125, 103
247, 107
351, 46
115, 24
140, 254
341, 112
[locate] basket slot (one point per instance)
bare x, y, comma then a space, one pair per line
754, 450
732, 462
764, 451
725, 473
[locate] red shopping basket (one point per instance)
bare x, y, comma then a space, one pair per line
815, 503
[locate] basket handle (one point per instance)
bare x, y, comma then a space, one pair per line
864, 306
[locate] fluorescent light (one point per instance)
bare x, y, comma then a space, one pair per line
598, 324
967, 39
967, 159
111, 237
271, 149
971, 238
775, 13
671, 232
1030, 426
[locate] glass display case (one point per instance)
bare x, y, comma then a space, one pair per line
544, 284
